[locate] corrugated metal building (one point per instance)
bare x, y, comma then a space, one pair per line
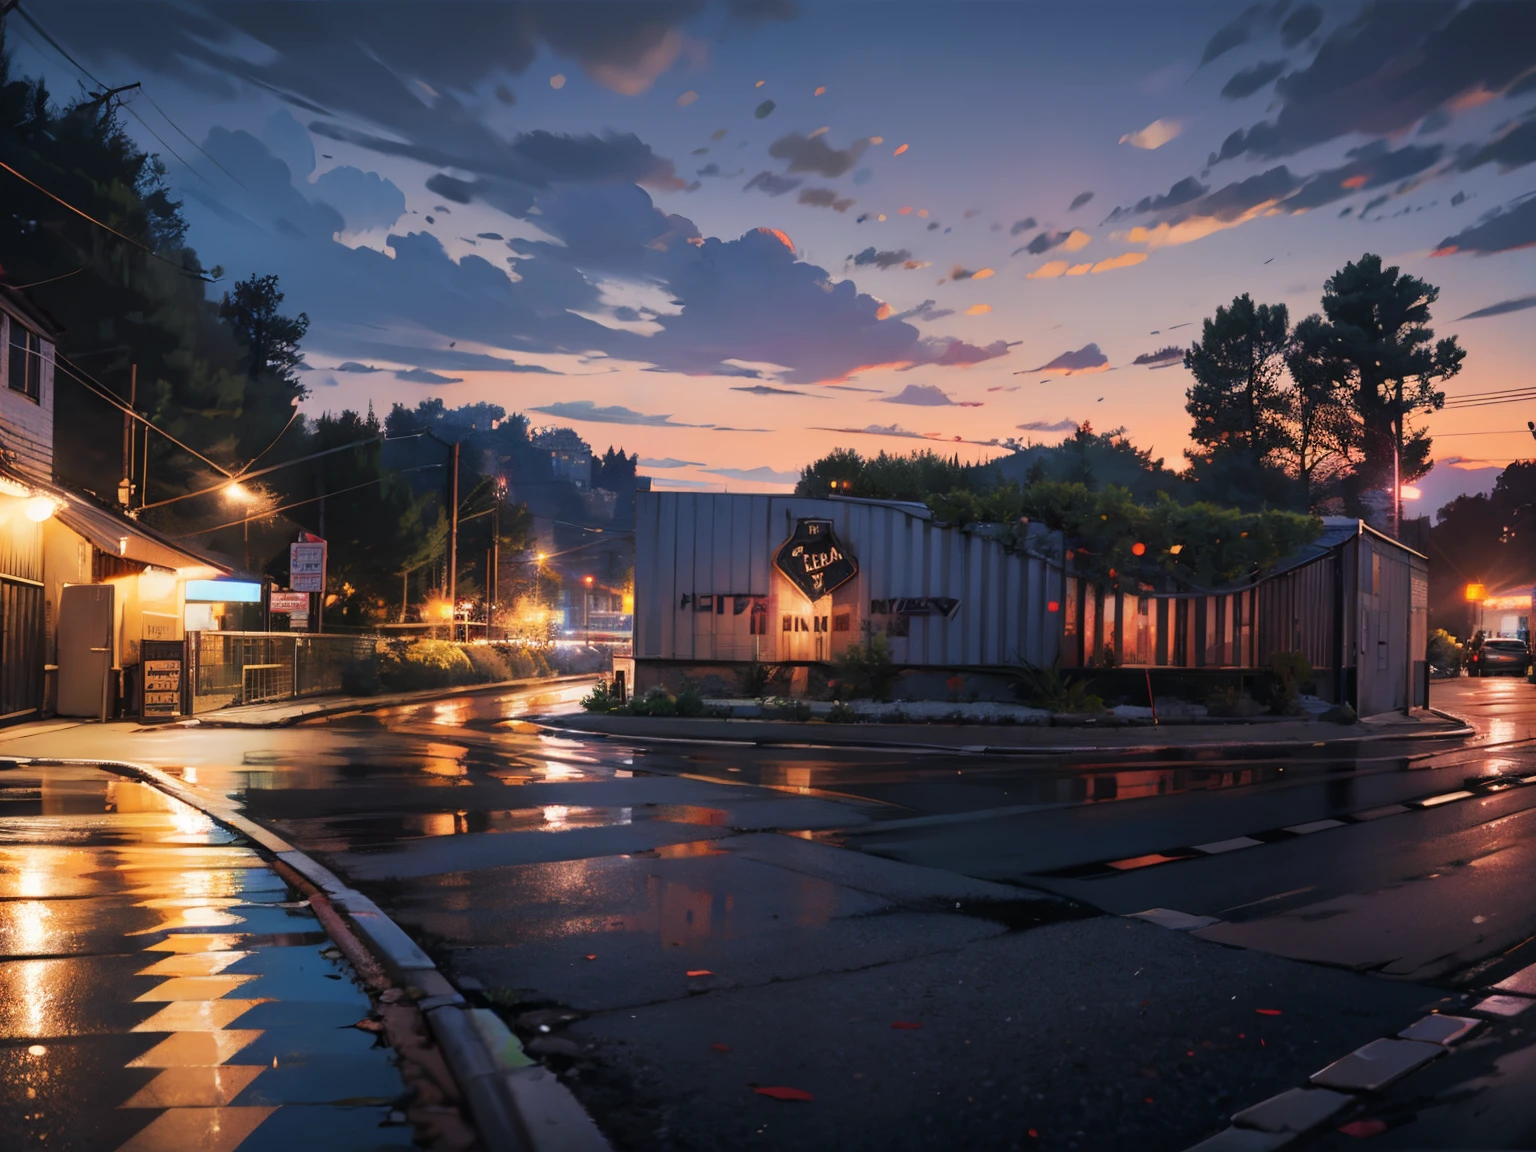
724, 579
707, 589
1354, 602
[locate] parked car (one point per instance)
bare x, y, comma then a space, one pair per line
1493, 655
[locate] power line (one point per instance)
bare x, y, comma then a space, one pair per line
270, 512
93, 385
246, 475
195, 273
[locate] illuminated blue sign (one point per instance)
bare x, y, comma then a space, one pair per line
224, 591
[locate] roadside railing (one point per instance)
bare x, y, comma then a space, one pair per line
228, 668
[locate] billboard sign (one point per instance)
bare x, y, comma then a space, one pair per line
289, 602
814, 561
306, 565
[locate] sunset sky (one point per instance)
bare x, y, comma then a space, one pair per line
734, 236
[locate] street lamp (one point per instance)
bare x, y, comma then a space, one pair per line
240, 494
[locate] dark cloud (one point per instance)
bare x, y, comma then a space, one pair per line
853, 388
1389, 68
1079, 200
1458, 199
824, 198
422, 376
1300, 24
814, 154
1245, 83
1371, 166
709, 170
772, 183
1043, 426
924, 396
1162, 358
769, 390
947, 353
1502, 307
1183, 192
354, 366
489, 236
1045, 241
1088, 358
764, 110
924, 311
451, 188
1508, 228
761, 475
1374, 203
1253, 20
1514, 149
289, 141
881, 259
589, 411
366, 199
876, 430
449, 358
669, 462
1023, 225
756, 10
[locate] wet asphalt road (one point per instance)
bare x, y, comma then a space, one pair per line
161, 992
729, 918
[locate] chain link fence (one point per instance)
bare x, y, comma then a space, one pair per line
229, 668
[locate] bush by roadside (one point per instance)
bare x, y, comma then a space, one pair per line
420, 664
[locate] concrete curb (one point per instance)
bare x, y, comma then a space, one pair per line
1464, 730
1344, 1087
517, 1106
377, 703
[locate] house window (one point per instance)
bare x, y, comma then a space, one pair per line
841, 623
788, 623
757, 624
25, 371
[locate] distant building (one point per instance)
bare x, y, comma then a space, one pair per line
570, 457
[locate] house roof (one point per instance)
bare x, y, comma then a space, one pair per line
16, 301
116, 534
1336, 530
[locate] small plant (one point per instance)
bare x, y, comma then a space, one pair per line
1444, 651
867, 668
1289, 673
600, 699
689, 703
656, 702
842, 714
1047, 688
754, 679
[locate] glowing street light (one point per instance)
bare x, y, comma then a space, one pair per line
40, 508
238, 492
1476, 593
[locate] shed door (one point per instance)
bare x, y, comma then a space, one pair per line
85, 649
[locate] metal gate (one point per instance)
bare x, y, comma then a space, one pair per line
21, 648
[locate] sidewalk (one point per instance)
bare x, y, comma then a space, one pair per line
1009, 740
161, 989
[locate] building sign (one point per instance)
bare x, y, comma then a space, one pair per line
289, 601
814, 561
306, 565
945, 606
161, 667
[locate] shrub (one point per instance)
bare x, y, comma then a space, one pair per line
1289, 673
600, 699
754, 678
867, 670
427, 664
1047, 688
489, 664
1444, 651
1231, 702
656, 702
842, 714
688, 703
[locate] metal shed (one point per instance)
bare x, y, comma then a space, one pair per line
709, 589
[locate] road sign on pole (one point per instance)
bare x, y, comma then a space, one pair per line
306, 565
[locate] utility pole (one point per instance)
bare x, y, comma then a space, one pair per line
125, 489
493, 575
453, 547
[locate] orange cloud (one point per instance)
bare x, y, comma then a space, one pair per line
1195, 228
1049, 271
877, 139
1079, 269
1124, 260
820, 91
1355, 182
900, 150
978, 309
779, 236
983, 274
883, 311
1076, 241
907, 211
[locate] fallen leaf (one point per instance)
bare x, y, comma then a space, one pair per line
777, 1093
1268, 1011
721, 1047
1361, 1129
692, 972
906, 1025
